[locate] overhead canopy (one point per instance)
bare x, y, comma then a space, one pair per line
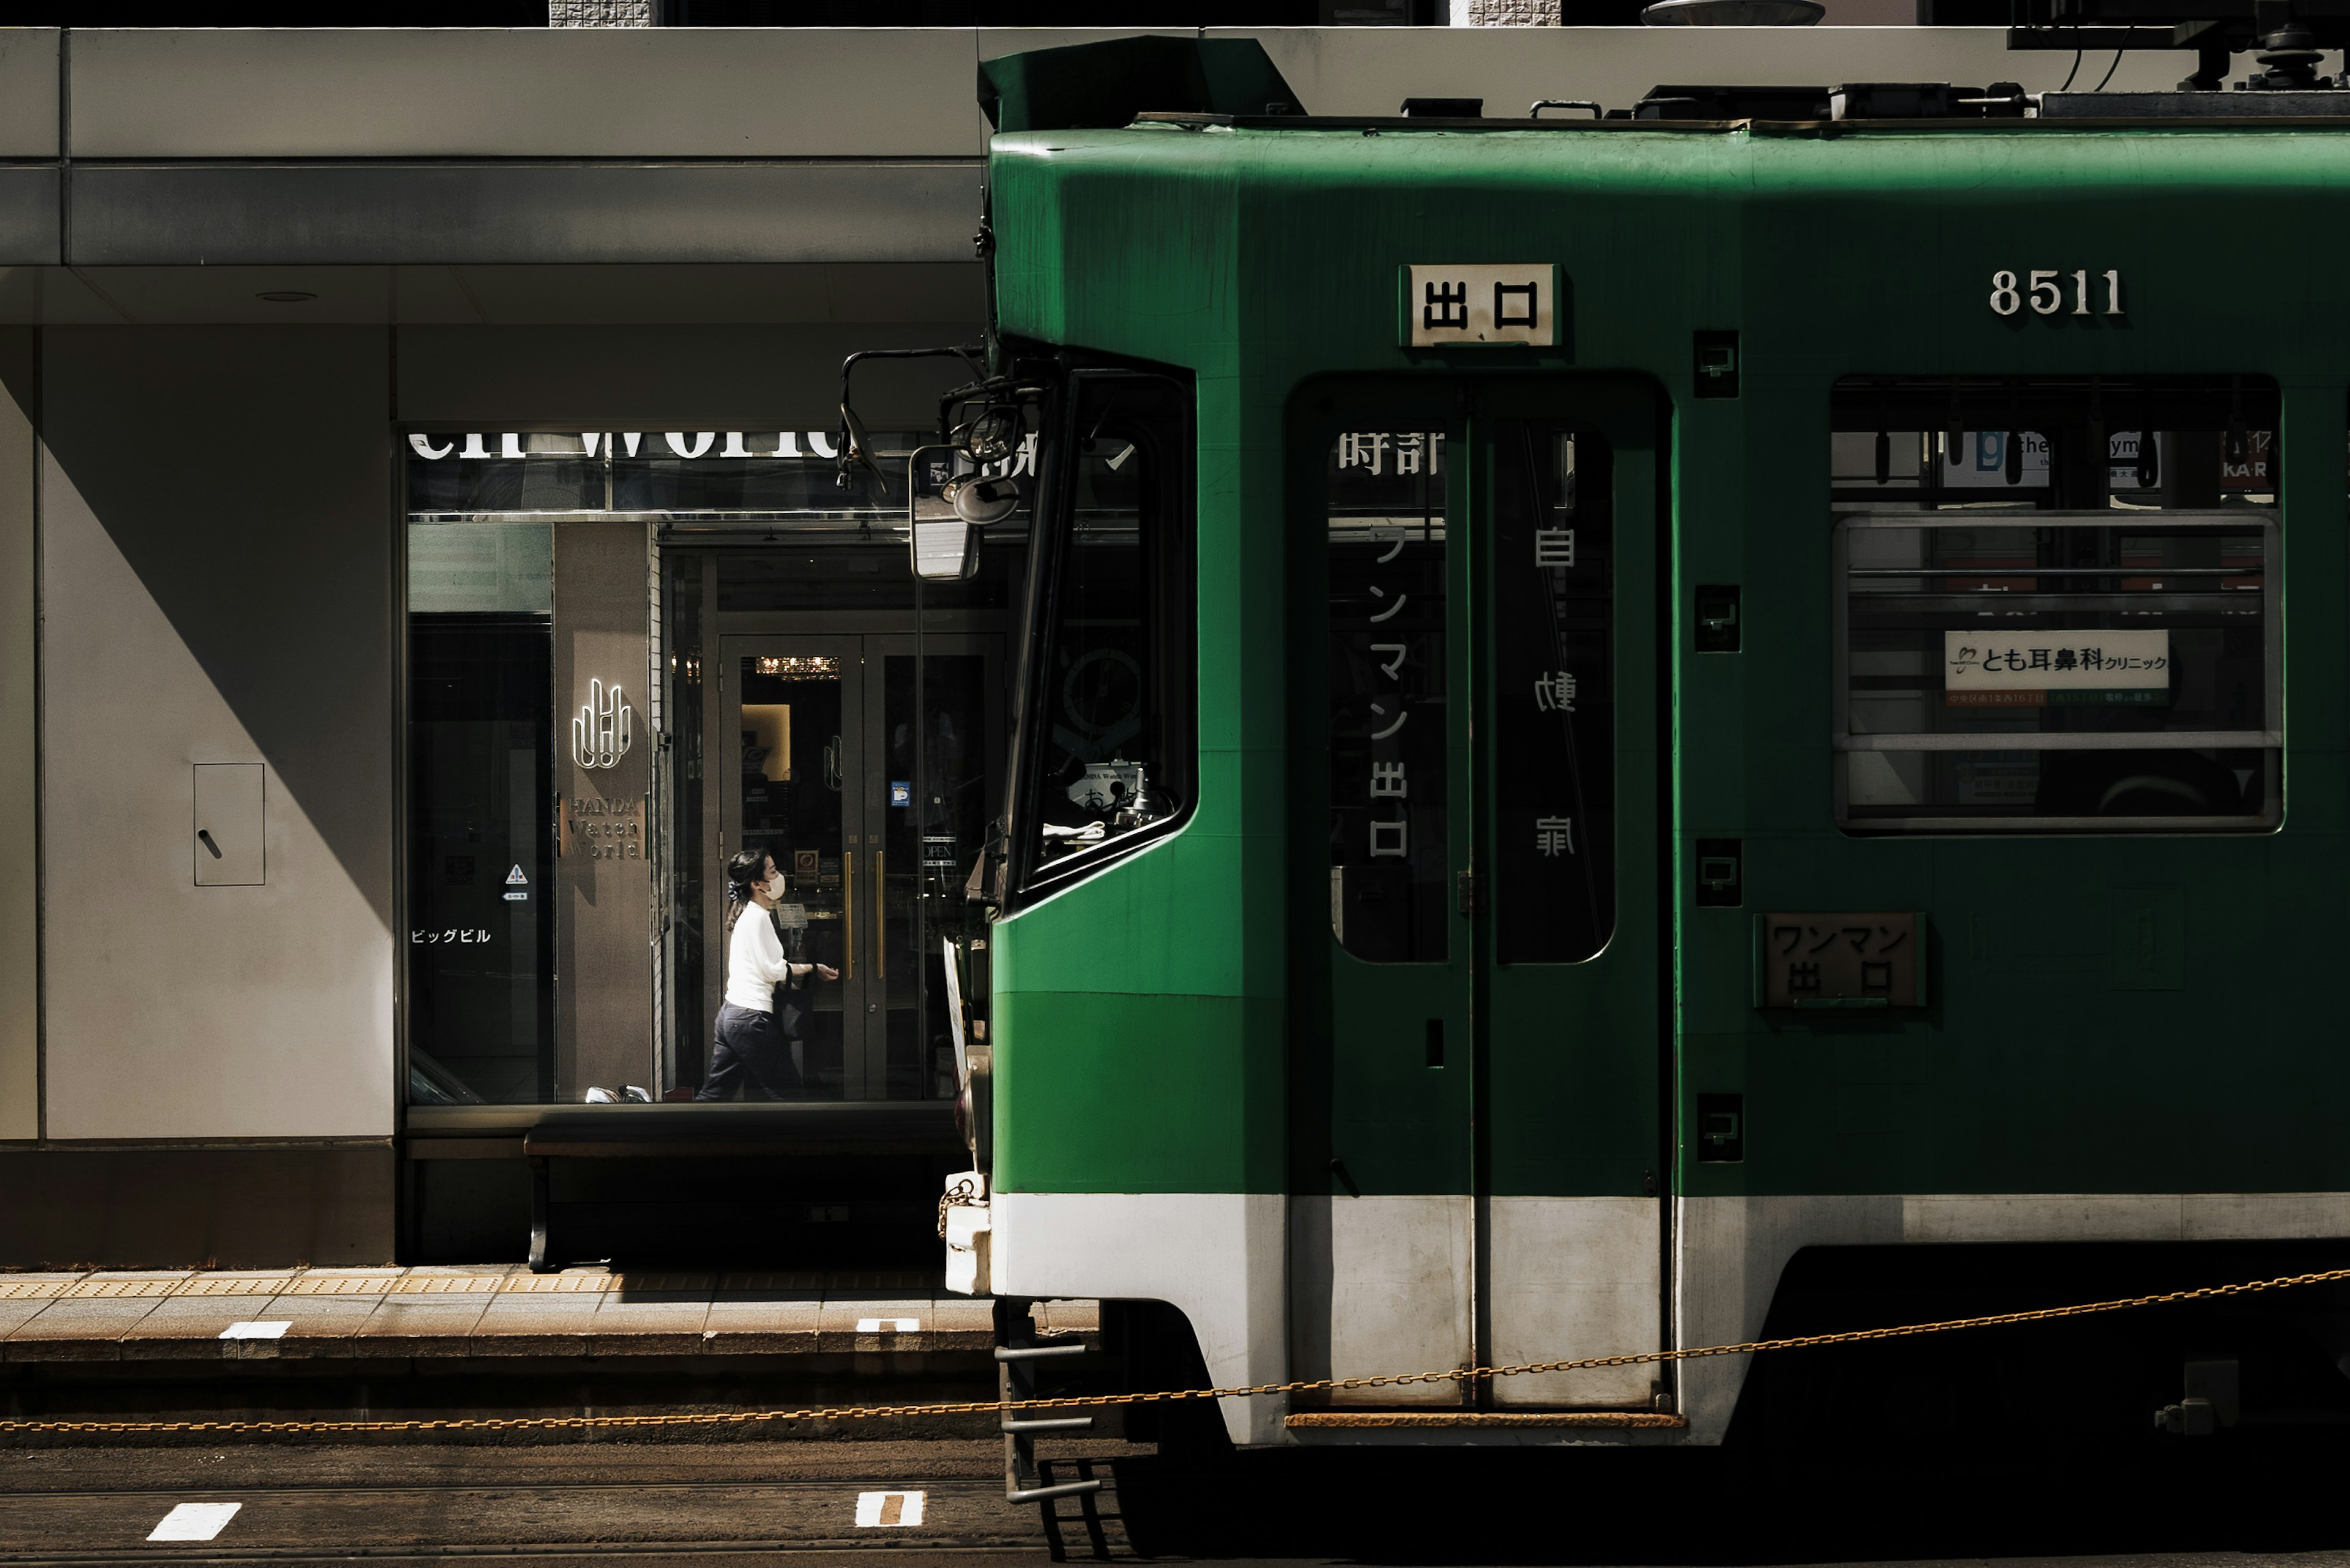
1105, 85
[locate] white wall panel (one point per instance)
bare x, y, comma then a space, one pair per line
588, 92
216, 576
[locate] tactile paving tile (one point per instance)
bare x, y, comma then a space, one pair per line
445, 1284
240, 1285
116, 1288
34, 1290
347, 1285
552, 1284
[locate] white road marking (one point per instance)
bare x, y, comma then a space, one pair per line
888, 1508
257, 1330
889, 1326
194, 1521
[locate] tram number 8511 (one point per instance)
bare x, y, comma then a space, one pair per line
2045, 292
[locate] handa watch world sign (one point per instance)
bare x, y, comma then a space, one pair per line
601, 730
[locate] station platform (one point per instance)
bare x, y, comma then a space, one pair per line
881, 1323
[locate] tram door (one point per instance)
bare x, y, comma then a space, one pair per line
827, 766
1490, 1024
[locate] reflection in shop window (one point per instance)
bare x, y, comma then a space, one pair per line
481, 724
1389, 778
2057, 605
1108, 710
939, 803
504, 1004
794, 802
686, 1009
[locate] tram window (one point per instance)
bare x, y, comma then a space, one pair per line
2050, 619
1389, 766
1555, 708
1108, 725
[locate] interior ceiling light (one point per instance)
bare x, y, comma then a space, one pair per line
818, 666
285, 296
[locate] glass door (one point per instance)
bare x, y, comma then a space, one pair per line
1484, 1092
932, 789
875, 815
792, 785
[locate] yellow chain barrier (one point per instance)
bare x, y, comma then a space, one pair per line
1252, 1391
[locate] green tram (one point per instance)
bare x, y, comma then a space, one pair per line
1637, 733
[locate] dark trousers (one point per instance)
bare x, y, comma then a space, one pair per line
750, 1041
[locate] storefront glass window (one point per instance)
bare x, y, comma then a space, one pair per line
481, 937
604, 630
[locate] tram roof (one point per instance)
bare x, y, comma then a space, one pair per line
1227, 244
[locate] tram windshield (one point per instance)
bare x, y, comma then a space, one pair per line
2056, 606
1106, 715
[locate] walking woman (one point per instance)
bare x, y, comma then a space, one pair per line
749, 1037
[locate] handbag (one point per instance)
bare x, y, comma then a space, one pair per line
787, 1014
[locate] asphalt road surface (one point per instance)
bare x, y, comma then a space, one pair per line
921, 1502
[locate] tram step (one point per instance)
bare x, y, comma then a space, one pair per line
1047, 1493
1037, 1352
1589, 1419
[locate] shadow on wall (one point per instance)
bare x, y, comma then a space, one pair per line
244, 473
160, 1207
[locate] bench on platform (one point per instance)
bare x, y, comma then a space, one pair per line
716, 1132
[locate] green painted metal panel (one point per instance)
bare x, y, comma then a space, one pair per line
2044, 1063
1138, 1094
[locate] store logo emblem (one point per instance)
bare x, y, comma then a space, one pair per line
599, 734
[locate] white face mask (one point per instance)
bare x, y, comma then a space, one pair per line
775, 887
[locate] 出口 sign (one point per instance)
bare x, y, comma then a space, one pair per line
1456, 305
2055, 669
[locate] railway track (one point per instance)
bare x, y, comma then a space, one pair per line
623, 1519
942, 1502
274, 1505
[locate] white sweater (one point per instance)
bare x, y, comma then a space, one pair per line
756, 964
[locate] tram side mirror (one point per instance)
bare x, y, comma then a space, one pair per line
945, 512
856, 448
980, 501
946, 550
